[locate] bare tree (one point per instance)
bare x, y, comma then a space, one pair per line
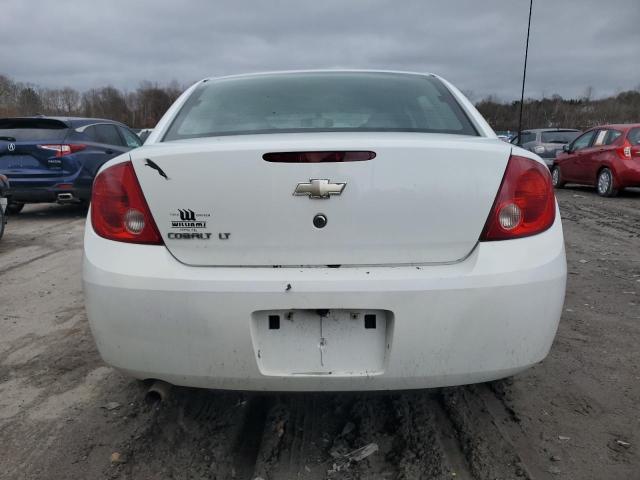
70, 100
29, 102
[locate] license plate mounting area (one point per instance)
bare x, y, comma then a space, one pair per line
337, 342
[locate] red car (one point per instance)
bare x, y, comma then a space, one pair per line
607, 157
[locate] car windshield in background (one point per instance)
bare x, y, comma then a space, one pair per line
559, 136
27, 129
320, 102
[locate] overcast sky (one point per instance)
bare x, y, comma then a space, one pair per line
476, 44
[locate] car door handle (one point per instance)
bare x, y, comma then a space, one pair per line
109, 151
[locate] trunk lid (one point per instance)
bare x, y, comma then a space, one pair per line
21, 154
424, 198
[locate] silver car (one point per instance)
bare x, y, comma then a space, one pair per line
546, 142
4, 186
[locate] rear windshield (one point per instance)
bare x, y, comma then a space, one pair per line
27, 129
559, 136
320, 102
634, 136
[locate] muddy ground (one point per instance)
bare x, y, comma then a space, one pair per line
65, 415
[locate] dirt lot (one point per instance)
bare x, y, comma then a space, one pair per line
65, 415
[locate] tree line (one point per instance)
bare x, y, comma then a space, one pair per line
555, 111
143, 107
140, 108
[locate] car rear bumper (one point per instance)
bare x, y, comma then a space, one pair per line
28, 192
48, 195
489, 316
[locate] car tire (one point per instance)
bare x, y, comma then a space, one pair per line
556, 177
605, 183
2, 222
14, 208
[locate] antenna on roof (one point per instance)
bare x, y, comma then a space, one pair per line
524, 74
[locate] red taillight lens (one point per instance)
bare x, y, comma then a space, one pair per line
624, 152
63, 149
118, 208
525, 204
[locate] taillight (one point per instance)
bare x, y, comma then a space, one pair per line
119, 210
525, 204
63, 149
624, 152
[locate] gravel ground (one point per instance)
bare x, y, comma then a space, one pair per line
576, 415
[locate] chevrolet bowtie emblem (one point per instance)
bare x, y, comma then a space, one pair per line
319, 188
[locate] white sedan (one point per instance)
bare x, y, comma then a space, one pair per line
324, 230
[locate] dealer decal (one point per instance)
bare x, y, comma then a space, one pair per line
186, 220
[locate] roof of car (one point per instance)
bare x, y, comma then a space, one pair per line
558, 129
71, 121
328, 70
620, 126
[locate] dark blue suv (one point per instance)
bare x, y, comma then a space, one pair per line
55, 159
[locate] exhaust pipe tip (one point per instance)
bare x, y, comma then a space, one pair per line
157, 393
65, 197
